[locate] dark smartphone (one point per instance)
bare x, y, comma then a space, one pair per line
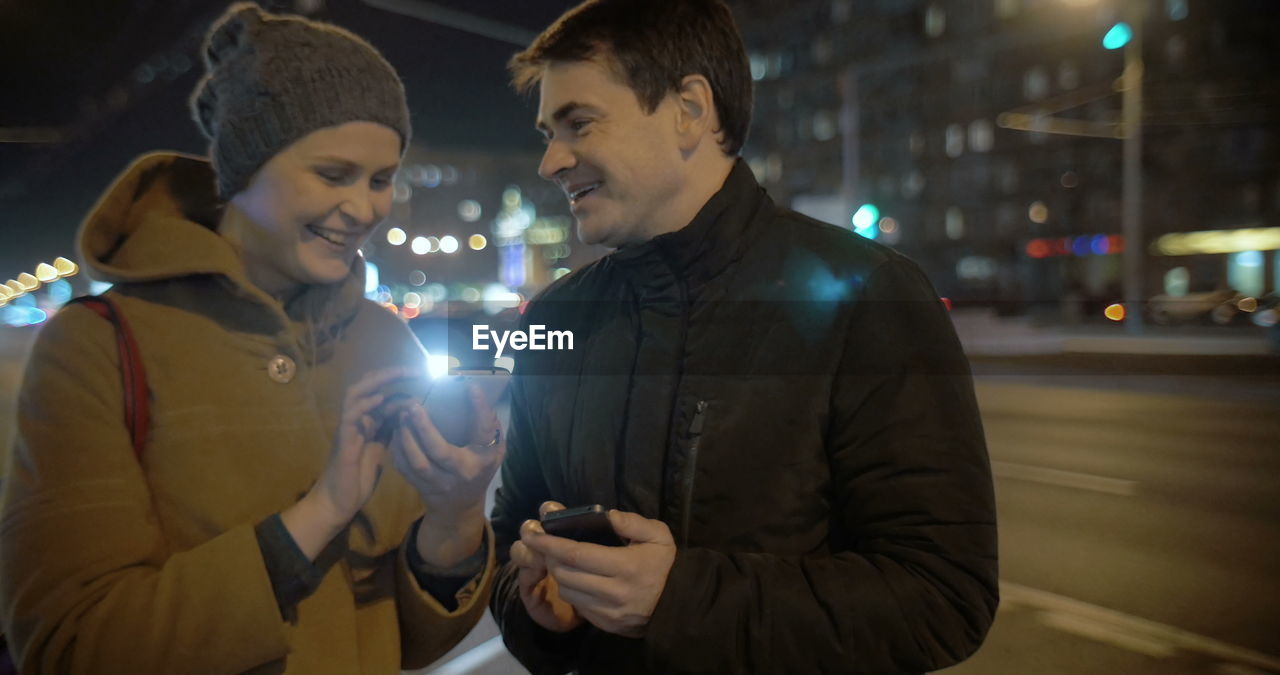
446, 399
588, 524
449, 404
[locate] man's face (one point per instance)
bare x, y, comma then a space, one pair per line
619, 167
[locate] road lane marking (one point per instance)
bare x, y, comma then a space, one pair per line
1060, 478
1097, 632
1137, 633
1236, 669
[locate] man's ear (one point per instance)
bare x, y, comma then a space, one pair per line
696, 116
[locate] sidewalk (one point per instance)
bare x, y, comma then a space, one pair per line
983, 333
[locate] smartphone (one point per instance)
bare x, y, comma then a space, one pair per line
445, 398
449, 404
588, 524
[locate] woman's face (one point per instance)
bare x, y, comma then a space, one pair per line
312, 206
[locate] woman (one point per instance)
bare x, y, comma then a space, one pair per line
258, 532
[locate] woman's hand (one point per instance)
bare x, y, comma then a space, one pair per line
355, 463
451, 479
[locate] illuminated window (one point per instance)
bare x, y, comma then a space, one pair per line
1245, 272
955, 223
401, 193
824, 126
773, 167
955, 140
1177, 281
981, 135
774, 65
976, 268
935, 21
1035, 84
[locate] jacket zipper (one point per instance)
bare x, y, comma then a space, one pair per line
695, 431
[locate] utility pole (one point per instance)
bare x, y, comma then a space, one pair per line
1131, 223
1041, 117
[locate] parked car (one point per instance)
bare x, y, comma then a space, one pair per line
1219, 307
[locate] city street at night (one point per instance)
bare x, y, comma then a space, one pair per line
1138, 515
288, 199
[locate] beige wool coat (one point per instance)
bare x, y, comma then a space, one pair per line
108, 565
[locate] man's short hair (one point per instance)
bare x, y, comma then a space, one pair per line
654, 44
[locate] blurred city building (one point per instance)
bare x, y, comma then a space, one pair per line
473, 218
886, 117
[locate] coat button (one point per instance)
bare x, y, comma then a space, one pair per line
281, 368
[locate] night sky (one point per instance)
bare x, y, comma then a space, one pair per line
67, 63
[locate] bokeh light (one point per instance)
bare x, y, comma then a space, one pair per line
46, 273
469, 210
1038, 212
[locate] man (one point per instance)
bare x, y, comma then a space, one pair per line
777, 410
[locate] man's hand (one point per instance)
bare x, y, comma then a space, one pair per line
539, 592
615, 588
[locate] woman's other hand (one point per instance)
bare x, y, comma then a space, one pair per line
355, 463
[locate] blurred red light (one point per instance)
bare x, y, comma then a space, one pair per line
946, 302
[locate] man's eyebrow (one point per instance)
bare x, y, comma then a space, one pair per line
560, 113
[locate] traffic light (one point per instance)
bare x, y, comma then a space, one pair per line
865, 221
1118, 36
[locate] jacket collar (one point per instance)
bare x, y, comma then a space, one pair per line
698, 252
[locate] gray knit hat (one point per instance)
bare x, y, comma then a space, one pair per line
273, 79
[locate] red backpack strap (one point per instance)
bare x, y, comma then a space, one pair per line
137, 413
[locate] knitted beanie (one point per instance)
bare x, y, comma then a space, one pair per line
272, 79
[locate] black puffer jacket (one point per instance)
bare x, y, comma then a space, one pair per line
791, 399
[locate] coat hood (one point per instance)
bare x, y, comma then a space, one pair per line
157, 222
